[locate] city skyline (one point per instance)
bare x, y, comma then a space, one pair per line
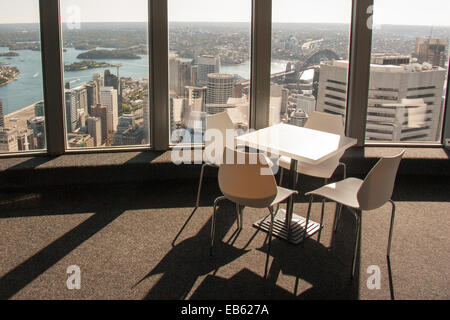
284, 11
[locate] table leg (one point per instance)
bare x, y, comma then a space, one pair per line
290, 204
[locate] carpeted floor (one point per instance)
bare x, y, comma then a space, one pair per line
122, 237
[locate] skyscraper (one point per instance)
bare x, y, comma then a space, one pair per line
39, 110
37, 124
2, 117
92, 94
102, 112
196, 97
431, 50
94, 128
180, 74
71, 111
108, 97
146, 120
81, 99
405, 101
220, 88
8, 140
111, 80
207, 64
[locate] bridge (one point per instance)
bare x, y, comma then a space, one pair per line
310, 60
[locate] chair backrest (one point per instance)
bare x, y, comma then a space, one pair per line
221, 122
246, 179
326, 122
379, 184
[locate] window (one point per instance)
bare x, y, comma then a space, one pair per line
409, 55
209, 64
106, 73
310, 52
22, 106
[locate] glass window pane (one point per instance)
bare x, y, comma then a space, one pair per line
22, 121
409, 71
310, 51
106, 73
209, 64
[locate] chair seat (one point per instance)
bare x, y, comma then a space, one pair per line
324, 169
344, 192
282, 195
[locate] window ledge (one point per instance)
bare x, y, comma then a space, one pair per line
134, 167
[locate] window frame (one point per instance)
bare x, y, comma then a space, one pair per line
360, 48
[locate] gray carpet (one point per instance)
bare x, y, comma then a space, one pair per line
121, 238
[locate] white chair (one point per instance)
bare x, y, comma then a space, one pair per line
223, 123
358, 195
247, 180
328, 123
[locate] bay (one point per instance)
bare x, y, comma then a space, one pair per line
28, 89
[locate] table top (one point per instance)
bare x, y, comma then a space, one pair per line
302, 144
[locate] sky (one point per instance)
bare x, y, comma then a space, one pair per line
404, 12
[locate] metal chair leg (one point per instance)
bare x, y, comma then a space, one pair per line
391, 228
270, 241
338, 215
200, 184
213, 222
358, 240
322, 214
307, 217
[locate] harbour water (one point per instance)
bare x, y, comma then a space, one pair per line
28, 89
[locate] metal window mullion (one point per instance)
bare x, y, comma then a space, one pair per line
159, 77
260, 63
359, 70
52, 75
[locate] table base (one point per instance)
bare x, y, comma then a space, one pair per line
297, 227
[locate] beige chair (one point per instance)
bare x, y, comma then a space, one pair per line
221, 122
358, 195
325, 122
247, 180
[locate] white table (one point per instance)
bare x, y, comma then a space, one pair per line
299, 144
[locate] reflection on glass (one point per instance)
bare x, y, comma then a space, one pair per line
22, 121
106, 73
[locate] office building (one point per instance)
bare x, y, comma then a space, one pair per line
305, 101
146, 120
37, 124
196, 97
8, 140
405, 101
220, 88
431, 50
92, 91
94, 129
207, 64
39, 110
25, 140
108, 97
101, 112
2, 117
71, 111
80, 140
